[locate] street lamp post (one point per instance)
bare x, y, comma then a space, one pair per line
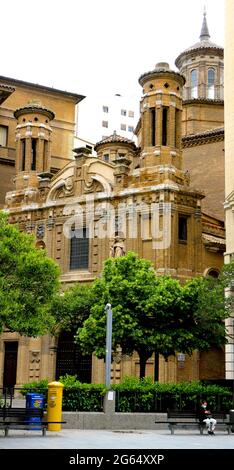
108, 343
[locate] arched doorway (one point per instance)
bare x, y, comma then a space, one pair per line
70, 360
10, 363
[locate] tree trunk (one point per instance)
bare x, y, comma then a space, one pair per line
143, 359
156, 366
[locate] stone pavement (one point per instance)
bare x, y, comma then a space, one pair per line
106, 439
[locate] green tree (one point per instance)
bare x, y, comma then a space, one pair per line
210, 306
151, 313
28, 281
71, 308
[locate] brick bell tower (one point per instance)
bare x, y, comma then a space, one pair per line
161, 110
33, 144
160, 172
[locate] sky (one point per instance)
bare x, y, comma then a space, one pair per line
98, 47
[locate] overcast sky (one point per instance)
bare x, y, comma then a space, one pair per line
89, 46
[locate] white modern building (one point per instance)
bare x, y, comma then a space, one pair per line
100, 116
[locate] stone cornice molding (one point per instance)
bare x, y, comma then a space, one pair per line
201, 138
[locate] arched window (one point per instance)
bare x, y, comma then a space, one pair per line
194, 84
211, 272
211, 84
221, 84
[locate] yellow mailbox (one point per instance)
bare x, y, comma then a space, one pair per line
54, 405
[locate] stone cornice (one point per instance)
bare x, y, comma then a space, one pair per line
198, 101
5, 92
13, 82
203, 48
201, 138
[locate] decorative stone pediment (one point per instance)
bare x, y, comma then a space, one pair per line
77, 179
98, 174
62, 184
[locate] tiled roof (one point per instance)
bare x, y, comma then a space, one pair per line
115, 138
211, 239
160, 69
203, 44
201, 137
6, 87
199, 46
34, 106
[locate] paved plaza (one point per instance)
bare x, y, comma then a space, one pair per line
107, 439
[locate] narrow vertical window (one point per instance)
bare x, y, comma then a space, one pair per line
194, 84
33, 150
153, 127
211, 84
177, 127
182, 229
220, 96
3, 136
79, 254
23, 152
45, 156
164, 125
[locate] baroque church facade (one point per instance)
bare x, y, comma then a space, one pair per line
148, 198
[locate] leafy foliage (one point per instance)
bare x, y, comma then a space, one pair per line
72, 308
137, 395
153, 313
134, 395
28, 281
77, 396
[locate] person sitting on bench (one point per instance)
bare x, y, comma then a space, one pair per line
210, 422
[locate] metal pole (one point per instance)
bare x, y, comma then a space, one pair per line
108, 343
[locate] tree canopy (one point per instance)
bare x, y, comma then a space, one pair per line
28, 281
71, 308
153, 313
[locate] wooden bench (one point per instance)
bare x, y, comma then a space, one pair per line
24, 418
189, 419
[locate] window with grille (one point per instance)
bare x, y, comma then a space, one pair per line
79, 254
70, 360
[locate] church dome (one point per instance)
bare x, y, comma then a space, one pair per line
205, 45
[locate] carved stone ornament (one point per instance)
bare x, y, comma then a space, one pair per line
40, 231
69, 184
